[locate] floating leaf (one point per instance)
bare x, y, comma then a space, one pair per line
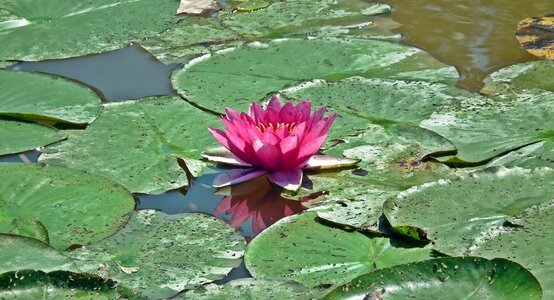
17, 253
21, 136
525, 241
536, 155
30, 228
30, 284
46, 98
445, 278
482, 128
235, 77
252, 5
159, 255
536, 35
250, 288
35, 30
301, 249
137, 143
75, 207
532, 75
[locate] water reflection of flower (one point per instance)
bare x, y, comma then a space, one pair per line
258, 200
280, 141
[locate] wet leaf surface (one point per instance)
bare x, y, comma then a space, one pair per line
22, 136
74, 207
159, 255
17, 253
137, 144
30, 284
46, 98
532, 75
301, 249
34, 30
445, 278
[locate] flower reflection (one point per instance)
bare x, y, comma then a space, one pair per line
258, 200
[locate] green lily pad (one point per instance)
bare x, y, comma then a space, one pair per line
250, 288
137, 143
301, 249
31, 284
234, 78
482, 128
529, 75
75, 207
46, 98
536, 155
191, 37
17, 253
159, 255
526, 242
456, 214
33, 30
445, 278
21, 136
285, 18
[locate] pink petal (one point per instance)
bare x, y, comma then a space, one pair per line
289, 180
268, 155
235, 176
270, 137
232, 114
310, 146
287, 113
220, 136
256, 112
289, 144
321, 162
274, 103
222, 155
303, 109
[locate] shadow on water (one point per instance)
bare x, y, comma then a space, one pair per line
124, 74
476, 36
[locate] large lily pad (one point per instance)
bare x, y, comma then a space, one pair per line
525, 242
46, 98
137, 143
30, 284
250, 288
445, 278
159, 255
536, 155
235, 77
482, 128
17, 253
495, 213
74, 207
21, 136
34, 30
529, 75
301, 249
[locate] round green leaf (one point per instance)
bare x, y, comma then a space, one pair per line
482, 128
21, 136
159, 255
235, 77
456, 214
526, 241
34, 30
137, 143
536, 155
301, 249
46, 98
30, 284
250, 288
75, 207
18, 253
529, 75
445, 278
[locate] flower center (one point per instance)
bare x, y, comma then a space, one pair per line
276, 126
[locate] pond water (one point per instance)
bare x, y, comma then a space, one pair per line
476, 36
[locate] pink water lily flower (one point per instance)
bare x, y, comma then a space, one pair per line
280, 140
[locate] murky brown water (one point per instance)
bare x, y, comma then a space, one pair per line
476, 36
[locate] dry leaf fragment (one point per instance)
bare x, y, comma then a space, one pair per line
127, 270
197, 6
